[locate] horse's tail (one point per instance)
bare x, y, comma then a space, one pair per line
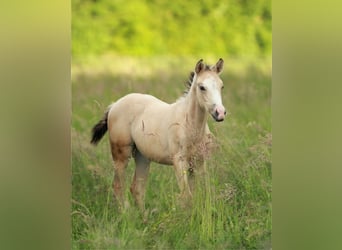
99, 129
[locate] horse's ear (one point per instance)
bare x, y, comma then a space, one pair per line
218, 66
199, 66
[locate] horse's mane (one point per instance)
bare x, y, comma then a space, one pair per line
188, 83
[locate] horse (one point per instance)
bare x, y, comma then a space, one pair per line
145, 128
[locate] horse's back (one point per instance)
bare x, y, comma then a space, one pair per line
125, 111
134, 104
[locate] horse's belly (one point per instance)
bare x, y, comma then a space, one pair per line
154, 151
153, 144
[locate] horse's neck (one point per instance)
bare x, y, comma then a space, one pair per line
196, 115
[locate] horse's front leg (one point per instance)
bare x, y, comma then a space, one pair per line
196, 170
181, 169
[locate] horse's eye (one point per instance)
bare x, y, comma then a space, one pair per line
222, 87
202, 88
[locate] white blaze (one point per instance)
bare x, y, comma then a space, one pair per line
214, 97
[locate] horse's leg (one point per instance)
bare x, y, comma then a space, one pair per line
121, 154
196, 171
138, 186
181, 170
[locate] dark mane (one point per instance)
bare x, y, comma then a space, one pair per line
188, 83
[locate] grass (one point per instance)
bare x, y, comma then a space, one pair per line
232, 204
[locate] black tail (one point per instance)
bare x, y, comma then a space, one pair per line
99, 129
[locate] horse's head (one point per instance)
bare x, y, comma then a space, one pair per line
208, 88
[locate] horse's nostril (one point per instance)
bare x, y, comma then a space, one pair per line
216, 113
225, 112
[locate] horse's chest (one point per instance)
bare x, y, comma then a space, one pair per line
193, 146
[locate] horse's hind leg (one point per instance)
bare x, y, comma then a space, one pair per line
121, 154
138, 186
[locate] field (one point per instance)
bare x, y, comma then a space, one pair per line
232, 204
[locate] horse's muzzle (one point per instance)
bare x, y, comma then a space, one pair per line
219, 113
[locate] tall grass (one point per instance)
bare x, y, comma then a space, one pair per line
231, 205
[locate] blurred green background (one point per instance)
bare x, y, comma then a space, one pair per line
156, 27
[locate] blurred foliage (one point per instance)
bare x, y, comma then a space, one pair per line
155, 27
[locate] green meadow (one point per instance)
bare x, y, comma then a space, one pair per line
232, 204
